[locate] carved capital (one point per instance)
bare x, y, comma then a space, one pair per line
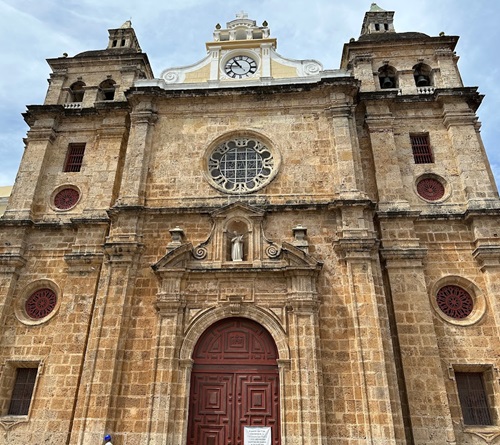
83, 262
487, 256
350, 249
11, 262
122, 248
410, 257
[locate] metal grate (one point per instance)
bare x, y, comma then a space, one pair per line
430, 189
66, 198
40, 303
454, 301
473, 398
421, 147
74, 157
23, 391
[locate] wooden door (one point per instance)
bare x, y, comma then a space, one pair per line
234, 384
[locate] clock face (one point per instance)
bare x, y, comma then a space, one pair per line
239, 67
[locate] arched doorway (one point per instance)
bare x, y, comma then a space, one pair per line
234, 384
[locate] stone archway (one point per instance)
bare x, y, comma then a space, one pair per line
234, 384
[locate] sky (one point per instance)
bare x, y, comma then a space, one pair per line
173, 33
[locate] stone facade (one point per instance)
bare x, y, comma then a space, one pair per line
119, 257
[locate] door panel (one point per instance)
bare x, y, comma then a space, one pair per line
257, 399
210, 409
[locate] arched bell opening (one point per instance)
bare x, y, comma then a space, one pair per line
107, 90
76, 92
422, 74
234, 384
387, 77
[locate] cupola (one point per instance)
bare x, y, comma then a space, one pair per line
241, 28
123, 37
377, 20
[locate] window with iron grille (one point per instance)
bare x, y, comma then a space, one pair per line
74, 157
421, 147
473, 398
23, 391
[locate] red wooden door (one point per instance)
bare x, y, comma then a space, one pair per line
234, 384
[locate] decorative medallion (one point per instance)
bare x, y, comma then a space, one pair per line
454, 302
66, 198
40, 303
241, 165
430, 189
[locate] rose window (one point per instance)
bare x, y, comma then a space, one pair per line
430, 189
40, 303
66, 198
241, 165
454, 302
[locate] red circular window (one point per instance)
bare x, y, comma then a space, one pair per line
454, 301
430, 189
40, 303
66, 198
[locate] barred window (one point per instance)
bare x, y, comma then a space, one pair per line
74, 158
421, 147
473, 398
23, 391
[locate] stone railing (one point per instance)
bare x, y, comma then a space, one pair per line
73, 105
425, 90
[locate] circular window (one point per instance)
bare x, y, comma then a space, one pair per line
66, 198
430, 189
40, 303
241, 165
454, 302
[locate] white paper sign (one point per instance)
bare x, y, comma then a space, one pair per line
257, 435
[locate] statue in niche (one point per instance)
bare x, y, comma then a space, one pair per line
237, 247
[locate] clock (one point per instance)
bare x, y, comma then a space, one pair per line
239, 67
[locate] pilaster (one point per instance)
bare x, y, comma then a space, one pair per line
462, 125
39, 142
305, 365
423, 376
347, 156
380, 122
95, 411
167, 382
133, 185
380, 420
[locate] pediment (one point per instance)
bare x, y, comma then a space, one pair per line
238, 208
284, 257
236, 242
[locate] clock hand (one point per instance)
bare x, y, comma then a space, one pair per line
238, 64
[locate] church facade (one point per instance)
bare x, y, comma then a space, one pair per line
253, 250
